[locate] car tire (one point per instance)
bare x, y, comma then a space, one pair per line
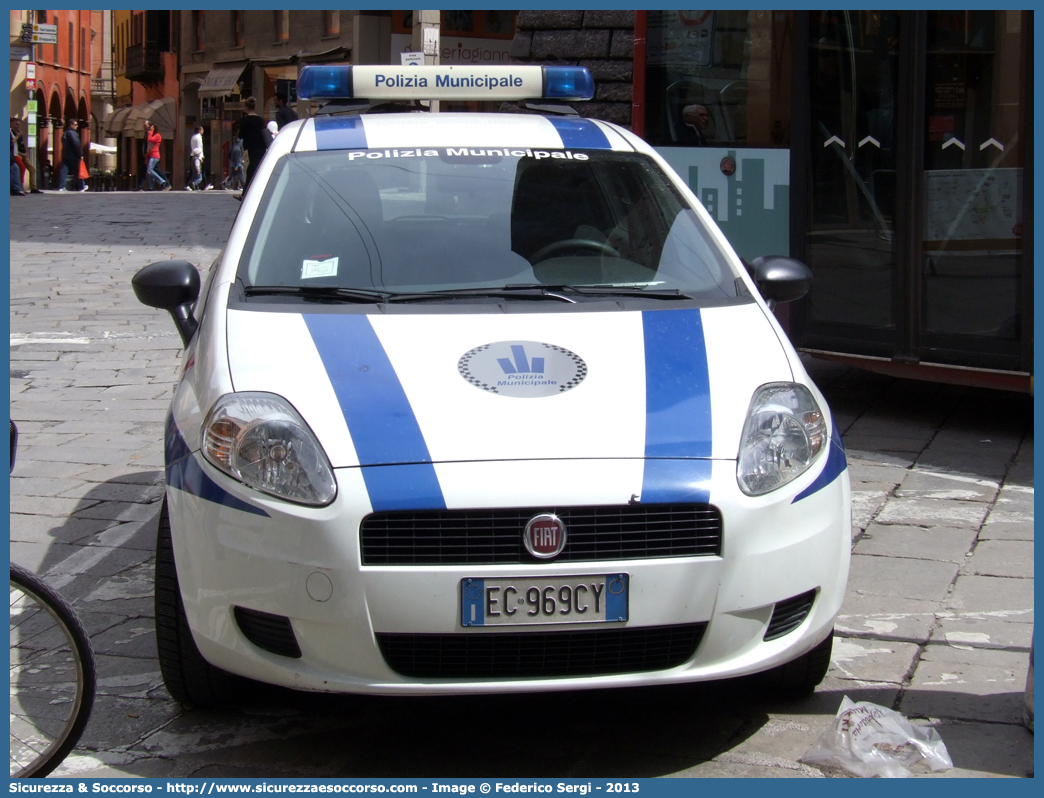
189, 678
799, 678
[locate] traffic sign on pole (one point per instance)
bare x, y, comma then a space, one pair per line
39, 34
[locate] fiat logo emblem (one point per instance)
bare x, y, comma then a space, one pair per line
545, 536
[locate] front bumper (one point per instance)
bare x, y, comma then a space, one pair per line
305, 564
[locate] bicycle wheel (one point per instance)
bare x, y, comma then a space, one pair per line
52, 676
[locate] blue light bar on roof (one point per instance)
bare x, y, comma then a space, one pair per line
342, 82
325, 82
568, 83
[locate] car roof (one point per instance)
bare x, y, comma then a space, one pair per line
448, 129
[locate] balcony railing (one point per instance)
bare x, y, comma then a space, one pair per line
144, 63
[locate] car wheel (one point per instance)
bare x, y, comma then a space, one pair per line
799, 678
189, 678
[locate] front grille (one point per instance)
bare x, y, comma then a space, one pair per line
787, 615
488, 537
540, 654
271, 632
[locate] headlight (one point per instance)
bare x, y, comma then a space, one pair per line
783, 436
259, 439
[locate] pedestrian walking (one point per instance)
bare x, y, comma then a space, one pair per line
25, 163
16, 183
143, 182
235, 166
72, 157
155, 139
284, 113
253, 132
196, 145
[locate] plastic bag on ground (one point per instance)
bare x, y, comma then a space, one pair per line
870, 740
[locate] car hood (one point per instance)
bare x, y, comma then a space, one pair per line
400, 388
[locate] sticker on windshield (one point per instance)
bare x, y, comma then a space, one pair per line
526, 369
324, 267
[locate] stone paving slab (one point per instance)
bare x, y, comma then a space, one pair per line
1002, 597
870, 471
972, 684
874, 661
915, 542
981, 632
735, 766
933, 512
1001, 558
984, 750
1011, 518
923, 484
887, 617
901, 577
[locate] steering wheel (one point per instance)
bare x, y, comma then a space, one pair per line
573, 243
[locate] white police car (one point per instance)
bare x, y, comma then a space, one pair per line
485, 403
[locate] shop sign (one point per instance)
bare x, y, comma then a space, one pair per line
454, 50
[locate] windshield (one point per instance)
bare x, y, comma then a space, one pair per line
423, 221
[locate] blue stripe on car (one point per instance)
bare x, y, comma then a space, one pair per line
380, 419
339, 133
174, 446
836, 463
413, 486
184, 472
581, 134
677, 408
676, 481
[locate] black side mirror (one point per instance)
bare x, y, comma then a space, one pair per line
171, 285
780, 279
14, 442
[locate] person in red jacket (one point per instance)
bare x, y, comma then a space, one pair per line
155, 139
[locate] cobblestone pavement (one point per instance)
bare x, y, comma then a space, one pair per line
937, 621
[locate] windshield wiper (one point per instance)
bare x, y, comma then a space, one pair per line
505, 292
610, 290
318, 293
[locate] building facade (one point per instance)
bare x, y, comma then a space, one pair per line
228, 56
61, 87
103, 93
146, 86
891, 151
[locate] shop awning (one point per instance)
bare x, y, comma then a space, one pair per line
221, 80
114, 121
163, 112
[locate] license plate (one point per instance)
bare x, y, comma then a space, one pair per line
533, 600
